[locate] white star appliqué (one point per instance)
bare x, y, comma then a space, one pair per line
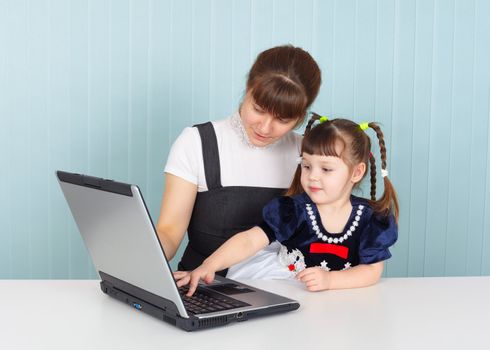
347, 266
323, 266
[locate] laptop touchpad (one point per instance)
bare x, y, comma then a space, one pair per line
230, 288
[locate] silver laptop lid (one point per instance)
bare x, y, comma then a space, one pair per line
109, 213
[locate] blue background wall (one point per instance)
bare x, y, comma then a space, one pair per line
104, 87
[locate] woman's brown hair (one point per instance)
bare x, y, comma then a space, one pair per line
323, 138
284, 81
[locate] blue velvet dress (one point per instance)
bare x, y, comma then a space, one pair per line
295, 223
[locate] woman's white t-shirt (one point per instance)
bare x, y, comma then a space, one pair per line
241, 164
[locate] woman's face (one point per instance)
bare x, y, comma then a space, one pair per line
263, 128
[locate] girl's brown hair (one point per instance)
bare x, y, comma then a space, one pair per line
356, 148
284, 81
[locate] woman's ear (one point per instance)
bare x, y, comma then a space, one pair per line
358, 172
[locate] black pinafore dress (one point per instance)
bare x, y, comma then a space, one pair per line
220, 212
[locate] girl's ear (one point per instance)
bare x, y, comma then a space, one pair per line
358, 172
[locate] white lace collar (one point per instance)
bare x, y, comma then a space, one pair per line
237, 126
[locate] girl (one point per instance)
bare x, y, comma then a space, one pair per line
219, 175
331, 239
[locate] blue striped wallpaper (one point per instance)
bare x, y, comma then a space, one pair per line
104, 87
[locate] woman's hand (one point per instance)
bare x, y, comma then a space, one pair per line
315, 279
192, 278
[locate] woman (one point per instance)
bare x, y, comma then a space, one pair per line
220, 174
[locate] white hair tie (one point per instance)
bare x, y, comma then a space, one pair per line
384, 172
299, 160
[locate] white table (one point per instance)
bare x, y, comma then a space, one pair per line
397, 313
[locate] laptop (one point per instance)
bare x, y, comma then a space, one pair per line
119, 235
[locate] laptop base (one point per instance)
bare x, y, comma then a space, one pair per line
165, 310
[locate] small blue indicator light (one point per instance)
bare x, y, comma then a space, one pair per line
137, 306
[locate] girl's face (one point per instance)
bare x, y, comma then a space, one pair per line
328, 179
263, 128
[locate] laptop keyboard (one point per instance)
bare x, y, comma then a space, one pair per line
204, 301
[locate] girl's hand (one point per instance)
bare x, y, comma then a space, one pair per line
182, 277
315, 279
192, 278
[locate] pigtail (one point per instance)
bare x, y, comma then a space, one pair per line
314, 118
295, 187
388, 203
372, 165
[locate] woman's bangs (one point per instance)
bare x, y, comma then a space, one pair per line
280, 97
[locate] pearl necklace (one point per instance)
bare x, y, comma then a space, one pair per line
335, 240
